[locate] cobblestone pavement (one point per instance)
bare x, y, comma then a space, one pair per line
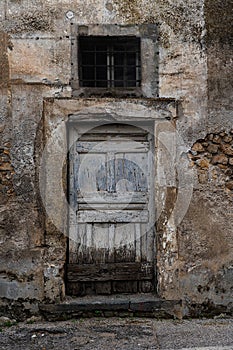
119, 334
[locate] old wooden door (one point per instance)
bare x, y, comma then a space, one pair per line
111, 245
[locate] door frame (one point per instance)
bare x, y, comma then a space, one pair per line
57, 113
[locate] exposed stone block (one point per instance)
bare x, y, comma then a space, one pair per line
227, 139
219, 159
229, 185
203, 178
198, 147
212, 148
227, 149
217, 139
203, 163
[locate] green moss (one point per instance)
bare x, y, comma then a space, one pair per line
9, 323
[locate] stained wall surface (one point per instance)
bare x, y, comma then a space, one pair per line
194, 247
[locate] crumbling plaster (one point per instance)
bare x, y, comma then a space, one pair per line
194, 259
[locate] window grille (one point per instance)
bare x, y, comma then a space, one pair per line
109, 62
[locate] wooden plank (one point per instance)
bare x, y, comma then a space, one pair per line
103, 288
112, 146
108, 272
77, 289
91, 173
77, 242
150, 243
111, 242
89, 235
79, 250
137, 242
111, 184
120, 198
100, 236
116, 128
101, 174
74, 243
112, 206
125, 286
144, 251
146, 286
121, 185
89, 288
89, 243
105, 137
138, 167
100, 243
125, 242
112, 216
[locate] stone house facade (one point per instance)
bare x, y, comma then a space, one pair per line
183, 99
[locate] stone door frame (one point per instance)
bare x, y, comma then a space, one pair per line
53, 184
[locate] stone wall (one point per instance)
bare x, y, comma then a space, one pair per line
213, 159
195, 255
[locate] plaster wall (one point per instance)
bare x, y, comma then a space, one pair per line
195, 60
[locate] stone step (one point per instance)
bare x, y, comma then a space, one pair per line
142, 305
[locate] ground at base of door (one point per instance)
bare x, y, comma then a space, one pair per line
120, 334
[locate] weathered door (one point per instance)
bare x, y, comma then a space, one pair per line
111, 245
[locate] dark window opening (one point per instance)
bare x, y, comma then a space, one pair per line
109, 62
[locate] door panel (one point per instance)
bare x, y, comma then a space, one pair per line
111, 246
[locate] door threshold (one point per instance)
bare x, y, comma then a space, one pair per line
119, 305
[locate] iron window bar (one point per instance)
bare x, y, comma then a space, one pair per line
109, 62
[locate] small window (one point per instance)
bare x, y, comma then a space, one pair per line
109, 62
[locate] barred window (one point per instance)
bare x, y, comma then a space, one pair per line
109, 62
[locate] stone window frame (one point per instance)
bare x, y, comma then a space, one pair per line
148, 35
